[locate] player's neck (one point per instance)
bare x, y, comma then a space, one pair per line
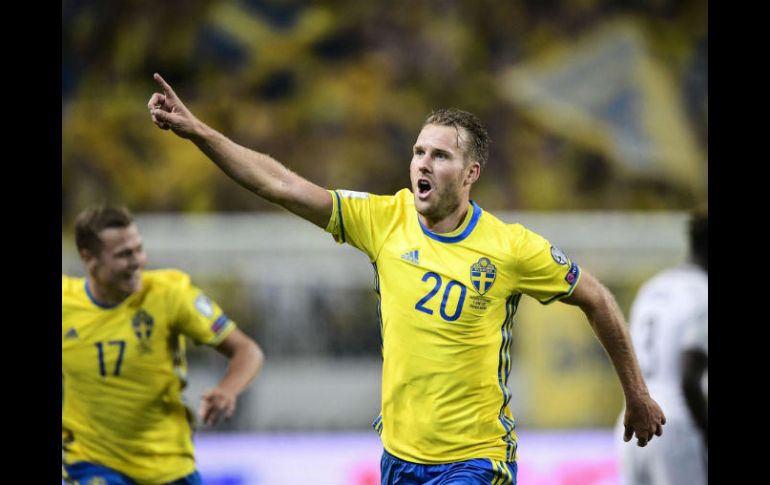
102, 295
447, 223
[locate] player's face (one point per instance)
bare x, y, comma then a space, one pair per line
440, 175
117, 268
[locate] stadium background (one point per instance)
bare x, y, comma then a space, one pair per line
598, 112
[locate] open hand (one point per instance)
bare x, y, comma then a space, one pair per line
215, 405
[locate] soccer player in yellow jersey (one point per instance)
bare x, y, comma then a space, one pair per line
449, 277
123, 361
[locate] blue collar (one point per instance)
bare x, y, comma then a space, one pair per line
97, 302
453, 239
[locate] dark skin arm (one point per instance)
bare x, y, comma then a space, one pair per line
245, 361
643, 416
694, 365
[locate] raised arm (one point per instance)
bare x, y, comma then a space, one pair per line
255, 171
643, 415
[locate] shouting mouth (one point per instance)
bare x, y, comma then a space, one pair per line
424, 189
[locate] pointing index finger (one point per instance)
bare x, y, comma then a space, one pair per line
166, 87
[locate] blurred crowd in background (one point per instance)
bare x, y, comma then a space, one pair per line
338, 90
592, 105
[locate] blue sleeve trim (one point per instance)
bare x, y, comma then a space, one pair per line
453, 239
339, 214
571, 287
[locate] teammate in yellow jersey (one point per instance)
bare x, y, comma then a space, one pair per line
123, 361
449, 276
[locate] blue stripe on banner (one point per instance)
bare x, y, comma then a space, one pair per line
339, 213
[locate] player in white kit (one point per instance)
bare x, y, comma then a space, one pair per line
695, 355
668, 317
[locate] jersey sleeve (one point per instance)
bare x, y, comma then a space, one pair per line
199, 317
543, 271
362, 220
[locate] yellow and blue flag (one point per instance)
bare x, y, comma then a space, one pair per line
607, 92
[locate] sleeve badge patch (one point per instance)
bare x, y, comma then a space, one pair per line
572, 274
203, 305
219, 324
559, 256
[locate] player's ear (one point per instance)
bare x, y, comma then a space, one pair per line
474, 171
87, 256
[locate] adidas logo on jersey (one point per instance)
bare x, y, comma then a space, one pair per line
71, 333
412, 256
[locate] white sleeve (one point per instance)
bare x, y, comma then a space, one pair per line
696, 333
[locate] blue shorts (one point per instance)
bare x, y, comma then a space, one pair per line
469, 472
83, 473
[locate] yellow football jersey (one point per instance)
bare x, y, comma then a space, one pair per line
446, 304
124, 369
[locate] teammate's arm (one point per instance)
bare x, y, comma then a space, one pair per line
245, 360
255, 171
694, 364
643, 415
